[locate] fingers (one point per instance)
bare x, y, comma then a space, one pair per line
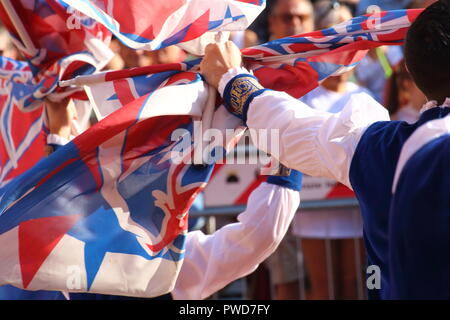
220, 47
209, 48
218, 59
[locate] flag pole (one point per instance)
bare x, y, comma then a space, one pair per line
80, 81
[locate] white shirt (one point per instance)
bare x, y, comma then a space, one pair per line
315, 142
213, 261
330, 224
330, 101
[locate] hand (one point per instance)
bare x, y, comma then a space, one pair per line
60, 116
218, 59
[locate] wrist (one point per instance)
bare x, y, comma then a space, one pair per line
239, 91
293, 181
56, 139
229, 75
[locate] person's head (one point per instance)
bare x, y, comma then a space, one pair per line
328, 13
427, 51
171, 54
401, 91
291, 17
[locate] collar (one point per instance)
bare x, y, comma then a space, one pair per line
432, 104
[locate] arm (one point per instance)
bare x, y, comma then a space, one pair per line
236, 250
314, 142
59, 121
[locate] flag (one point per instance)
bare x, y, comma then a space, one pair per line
299, 63
155, 24
110, 206
53, 52
45, 31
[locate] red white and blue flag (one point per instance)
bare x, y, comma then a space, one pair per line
53, 52
155, 24
299, 63
111, 204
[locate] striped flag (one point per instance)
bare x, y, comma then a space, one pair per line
111, 200
155, 24
53, 52
299, 63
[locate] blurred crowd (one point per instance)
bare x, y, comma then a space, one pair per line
382, 74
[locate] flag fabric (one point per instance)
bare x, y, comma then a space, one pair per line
47, 30
298, 64
111, 206
53, 52
18, 153
155, 24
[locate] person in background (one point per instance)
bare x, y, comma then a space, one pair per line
331, 240
363, 5
376, 68
117, 62
244, 39
126, 57
59, 120
403, 99
290, 17
351, 4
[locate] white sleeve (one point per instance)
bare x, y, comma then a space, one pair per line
314, 142
213, 261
